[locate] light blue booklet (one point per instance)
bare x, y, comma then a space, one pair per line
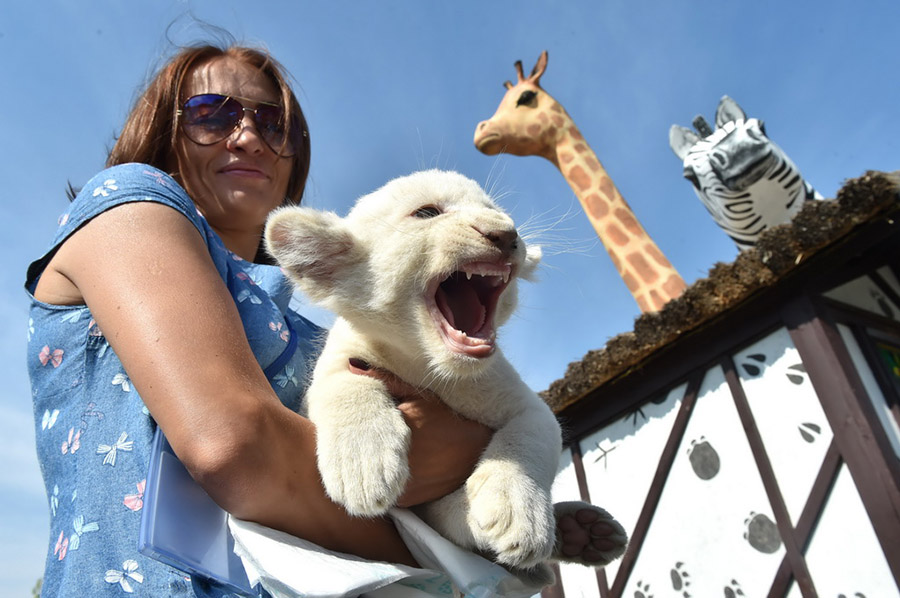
182, 526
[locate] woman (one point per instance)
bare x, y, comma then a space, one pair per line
149, 309
154, 306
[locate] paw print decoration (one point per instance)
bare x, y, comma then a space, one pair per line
704, 459
643, 590
733, 590
680, 581
762, 533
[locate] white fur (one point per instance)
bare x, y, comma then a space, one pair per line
376, 269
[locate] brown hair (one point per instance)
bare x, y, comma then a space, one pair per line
150, 131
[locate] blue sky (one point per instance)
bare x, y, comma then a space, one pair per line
394, 86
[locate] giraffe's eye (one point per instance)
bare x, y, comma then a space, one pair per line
427, 212
527, 98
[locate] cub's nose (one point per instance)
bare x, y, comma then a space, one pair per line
506, 240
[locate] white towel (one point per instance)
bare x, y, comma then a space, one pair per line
289, 567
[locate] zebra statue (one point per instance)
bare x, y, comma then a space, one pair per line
746, 182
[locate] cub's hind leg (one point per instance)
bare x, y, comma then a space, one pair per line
500, 513
449, 516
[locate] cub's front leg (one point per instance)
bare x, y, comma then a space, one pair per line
510, 506
505, 507
362, 440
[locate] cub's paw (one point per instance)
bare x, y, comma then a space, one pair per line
365, 468
587, 534
511, 517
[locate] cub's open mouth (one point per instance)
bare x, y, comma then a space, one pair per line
463, 306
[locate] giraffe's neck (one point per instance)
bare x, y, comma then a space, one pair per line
650, 277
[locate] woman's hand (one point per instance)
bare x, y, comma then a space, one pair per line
444, 448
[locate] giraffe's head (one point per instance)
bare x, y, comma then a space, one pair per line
528, 120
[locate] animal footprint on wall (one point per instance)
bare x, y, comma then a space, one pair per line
704, 459
604, 454
733, 590
796, 373
753, 369
639, 410
762, 533
680, 579
643, 590
807, 430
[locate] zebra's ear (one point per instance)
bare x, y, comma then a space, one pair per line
681, 140
728, 111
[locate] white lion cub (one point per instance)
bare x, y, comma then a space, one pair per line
421, 273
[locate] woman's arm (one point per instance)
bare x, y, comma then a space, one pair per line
147, 277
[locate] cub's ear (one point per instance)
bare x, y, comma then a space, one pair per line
533, 254
314, 247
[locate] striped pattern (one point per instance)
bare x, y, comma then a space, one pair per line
747, 183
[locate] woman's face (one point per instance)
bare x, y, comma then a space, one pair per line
236, 182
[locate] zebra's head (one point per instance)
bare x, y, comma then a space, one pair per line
746, 182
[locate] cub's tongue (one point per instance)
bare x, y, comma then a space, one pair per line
460, 304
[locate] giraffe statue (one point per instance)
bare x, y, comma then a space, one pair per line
529, 122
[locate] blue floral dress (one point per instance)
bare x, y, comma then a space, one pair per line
92, 429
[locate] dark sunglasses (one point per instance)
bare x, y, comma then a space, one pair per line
211, 117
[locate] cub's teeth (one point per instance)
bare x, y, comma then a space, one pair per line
506, 276
468, 275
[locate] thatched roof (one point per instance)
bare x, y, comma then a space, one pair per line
779, 251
